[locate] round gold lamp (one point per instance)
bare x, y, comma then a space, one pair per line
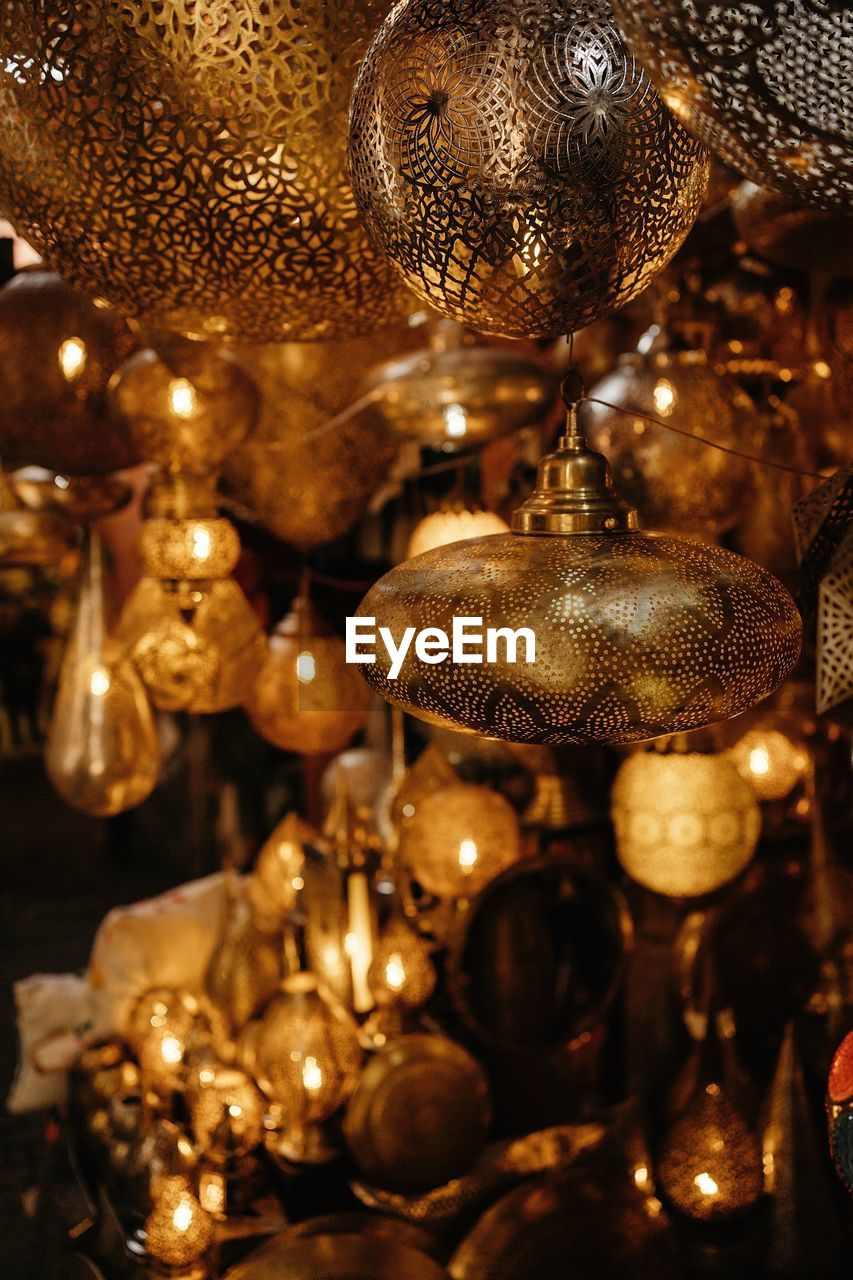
186, 162
675, 484
764, 85
58, 349
459, 838
305, 697
516, 165
686, 824
584, 629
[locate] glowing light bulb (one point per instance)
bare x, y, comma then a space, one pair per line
182, 1216
456, 420
102, 754
759, 761
306, 667
171, 1050
72, 356
312, 1075
99, 682
664, 397
395, 972
467, 855
706, 1184
201, 543
183, 400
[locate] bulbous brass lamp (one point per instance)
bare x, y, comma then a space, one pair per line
187, 161
636, 634
764, 85
58, 350
516, 164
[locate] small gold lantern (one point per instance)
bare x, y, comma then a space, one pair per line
459, 839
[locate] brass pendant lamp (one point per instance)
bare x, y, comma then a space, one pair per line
637, 634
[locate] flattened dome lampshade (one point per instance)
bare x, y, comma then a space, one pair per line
459, 392
516, 164
58, 350
185, 162
636, 634
766, 86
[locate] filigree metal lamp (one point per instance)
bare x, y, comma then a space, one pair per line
516, 164
186, 162
637, 634
763, 85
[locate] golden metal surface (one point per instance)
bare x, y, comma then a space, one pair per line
188, 550
539, 957
204, 662
516, 164
455, 394
766, 86
58, 350
338, 1257
459, 838
305, 697
685, 823
305, 484
419, 1115
574, 493
186, 406
675, 485
82, 498
784, 232
102, 753
188, 162
637, 635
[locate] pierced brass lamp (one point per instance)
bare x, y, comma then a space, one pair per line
515, 163
636, 634
305, 698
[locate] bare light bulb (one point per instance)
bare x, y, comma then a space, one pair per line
102, 753
72, 356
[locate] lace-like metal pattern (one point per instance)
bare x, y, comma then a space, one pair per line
637, 635
765, 85
186, 159
516, 164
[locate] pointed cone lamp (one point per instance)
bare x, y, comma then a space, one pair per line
636, 634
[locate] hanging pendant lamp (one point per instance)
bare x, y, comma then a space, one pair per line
636, 634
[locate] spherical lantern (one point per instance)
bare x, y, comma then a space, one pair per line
784, 232
584, 630
763, 85
459, 839
303, 482
308, 1056
516, 164
402, 974
305, 698
459, 392
194, 176
186, 406
674, 484
197, 650
770, 761
685, 824
58, 350
453, 522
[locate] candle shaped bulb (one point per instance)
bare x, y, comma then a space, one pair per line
102, 753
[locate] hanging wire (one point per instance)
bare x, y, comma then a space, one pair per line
712, 444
